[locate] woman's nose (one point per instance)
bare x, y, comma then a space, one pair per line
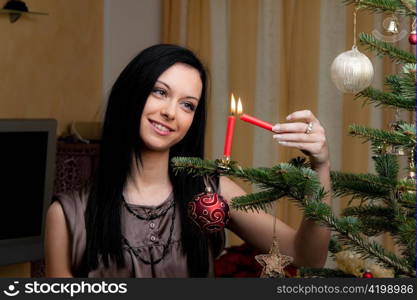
168, 111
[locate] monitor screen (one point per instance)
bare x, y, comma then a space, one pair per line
27, 160
23, 162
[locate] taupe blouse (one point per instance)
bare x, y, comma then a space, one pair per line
146, 230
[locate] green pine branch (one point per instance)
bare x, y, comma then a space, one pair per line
406, 139
351, 238
334, 246
406, 129
380, 98
374, 219
302, 186
193, 166
410, 6
296, 182
407, 197
257, 201
373, 250
408, 85
402, 7
361, 186
374, 226
348, 232
368, 210
403, 85
299, 184
383, 48
386, 165
393, 83
406, 236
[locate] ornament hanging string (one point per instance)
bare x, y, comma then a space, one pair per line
354, 27
274, 231
209, 183
397, 117
274, 262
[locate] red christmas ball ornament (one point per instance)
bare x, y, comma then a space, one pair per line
209, 211
367, 274
412, 37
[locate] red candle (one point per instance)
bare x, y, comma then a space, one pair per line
229, 135
230, 126
256, 122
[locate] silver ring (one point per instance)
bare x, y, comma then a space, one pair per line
309, 128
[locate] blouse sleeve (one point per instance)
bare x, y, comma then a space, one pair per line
73, 205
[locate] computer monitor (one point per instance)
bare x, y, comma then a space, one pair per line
27, 164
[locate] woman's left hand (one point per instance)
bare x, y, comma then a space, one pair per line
306, 134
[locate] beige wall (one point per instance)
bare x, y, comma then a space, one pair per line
128, 29
51, 67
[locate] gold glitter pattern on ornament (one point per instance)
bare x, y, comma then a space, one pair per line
274, 262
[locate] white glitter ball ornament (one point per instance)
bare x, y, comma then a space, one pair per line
352, 71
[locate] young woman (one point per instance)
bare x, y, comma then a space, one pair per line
132, 219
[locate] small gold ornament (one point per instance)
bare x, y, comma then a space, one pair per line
391, 25
395, 126
352, 263
274, 262
224, 164
395, 150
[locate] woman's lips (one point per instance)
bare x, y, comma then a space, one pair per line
160, 131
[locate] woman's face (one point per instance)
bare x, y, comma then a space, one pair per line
170, 107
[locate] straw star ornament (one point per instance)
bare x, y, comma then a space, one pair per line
274, 262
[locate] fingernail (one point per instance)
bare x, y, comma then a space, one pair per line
276, 127
288, 117
282, 142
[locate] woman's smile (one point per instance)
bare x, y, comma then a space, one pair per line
160, 128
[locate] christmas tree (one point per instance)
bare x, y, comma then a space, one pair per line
387, 201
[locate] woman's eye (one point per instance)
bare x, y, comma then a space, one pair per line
189, 106
159, 91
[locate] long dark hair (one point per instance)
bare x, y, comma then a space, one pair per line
121, 141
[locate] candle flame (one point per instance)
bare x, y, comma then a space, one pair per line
233, 105
239, 107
